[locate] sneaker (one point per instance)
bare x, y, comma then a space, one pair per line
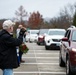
22, 61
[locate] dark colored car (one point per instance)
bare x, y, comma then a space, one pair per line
67, 55
41, 36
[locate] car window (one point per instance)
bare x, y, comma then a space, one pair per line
67, 34
42, 31
34, 32
28, 31
56, 32
74, 36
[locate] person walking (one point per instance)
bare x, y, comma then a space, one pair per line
8, 44
20, 52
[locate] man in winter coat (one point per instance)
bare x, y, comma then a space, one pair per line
8, 44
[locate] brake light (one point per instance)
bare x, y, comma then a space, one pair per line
73, 49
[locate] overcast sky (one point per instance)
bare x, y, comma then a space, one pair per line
47, 8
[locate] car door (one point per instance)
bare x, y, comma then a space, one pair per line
65, 45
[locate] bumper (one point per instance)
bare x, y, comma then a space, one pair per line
53, 45
33, 39
40, 42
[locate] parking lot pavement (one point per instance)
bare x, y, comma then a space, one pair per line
39, 61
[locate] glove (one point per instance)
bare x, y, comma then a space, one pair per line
22, 31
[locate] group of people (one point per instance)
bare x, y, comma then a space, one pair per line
8, 47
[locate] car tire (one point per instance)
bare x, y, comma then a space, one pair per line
38, 43
61, 62
68, 68
30, 41
46, 47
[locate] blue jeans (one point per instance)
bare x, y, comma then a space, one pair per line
20, 55
7, 71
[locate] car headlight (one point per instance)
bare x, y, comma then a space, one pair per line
73, 49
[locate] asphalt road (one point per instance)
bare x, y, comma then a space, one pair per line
39, 61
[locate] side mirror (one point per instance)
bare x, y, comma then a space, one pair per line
64, 39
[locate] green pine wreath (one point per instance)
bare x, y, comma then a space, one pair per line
23, 48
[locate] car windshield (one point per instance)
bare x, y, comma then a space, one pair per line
42, 31
74, 36
56, 32
34, 32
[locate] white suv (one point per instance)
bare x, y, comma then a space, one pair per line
52, 39
32, 35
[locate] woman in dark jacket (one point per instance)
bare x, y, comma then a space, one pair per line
8, 44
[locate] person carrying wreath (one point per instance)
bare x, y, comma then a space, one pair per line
17, 32
8, 44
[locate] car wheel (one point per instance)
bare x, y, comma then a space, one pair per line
46, 47
68, 69
61, 62
38, 43
30, 41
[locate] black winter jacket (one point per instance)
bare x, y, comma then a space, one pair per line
8, 54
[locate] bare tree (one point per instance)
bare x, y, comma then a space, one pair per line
68, 12
20, 14
65, 18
